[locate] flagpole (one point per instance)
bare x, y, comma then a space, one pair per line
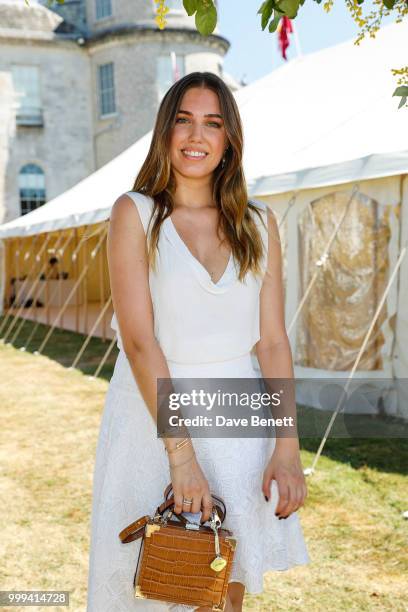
297, 40
175, 72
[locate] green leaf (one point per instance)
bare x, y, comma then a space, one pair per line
402, 90
261, 8
403, 101
289, 7
206, 17
266, 11
275, 21
389, 3
190, 6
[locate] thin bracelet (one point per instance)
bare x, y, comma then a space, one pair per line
178, 464
179, 446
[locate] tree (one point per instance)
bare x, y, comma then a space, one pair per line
272, 11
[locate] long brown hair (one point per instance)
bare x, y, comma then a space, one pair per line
156, 178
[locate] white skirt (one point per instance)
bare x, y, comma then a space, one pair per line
132, 471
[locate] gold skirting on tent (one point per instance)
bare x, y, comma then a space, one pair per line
350, 283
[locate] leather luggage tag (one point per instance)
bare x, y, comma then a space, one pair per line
134, 530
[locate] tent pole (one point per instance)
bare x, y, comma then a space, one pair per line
79, 294
358, 358
105, 357
85, 290
35, 294
18, 268
7, 286
18, 313
76, 276
4, 323
88, 338
27, 273
35, 276
74, 288
102, 288
61, 262
47, 289
322, 260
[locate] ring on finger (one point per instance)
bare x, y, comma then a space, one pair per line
187, 501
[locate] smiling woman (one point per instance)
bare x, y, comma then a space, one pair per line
195, 272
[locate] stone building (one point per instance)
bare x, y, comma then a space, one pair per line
80, 83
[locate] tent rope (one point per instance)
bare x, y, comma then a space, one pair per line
311, 470
74, 288
37, 280
105, 357
323, 258
37, 323
9, 313
88, 338
50, 298
74, 255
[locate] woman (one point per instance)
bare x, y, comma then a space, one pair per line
195, 275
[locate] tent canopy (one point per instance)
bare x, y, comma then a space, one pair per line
325, 118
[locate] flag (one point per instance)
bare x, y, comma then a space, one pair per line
174, 67
285, 28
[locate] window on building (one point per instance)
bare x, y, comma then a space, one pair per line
106, 86
26, 83
31, 183
170, 68
103, 8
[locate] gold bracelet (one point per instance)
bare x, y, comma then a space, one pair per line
182, 463
179, 445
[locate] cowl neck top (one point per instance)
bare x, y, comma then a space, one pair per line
195, 319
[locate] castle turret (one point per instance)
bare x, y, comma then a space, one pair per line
134, 63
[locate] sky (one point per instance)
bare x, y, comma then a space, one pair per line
254, 53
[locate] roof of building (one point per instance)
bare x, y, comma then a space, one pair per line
18, 16
325, 119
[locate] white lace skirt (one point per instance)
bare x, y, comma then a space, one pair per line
131, 473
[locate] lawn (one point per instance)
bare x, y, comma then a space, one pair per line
352, 518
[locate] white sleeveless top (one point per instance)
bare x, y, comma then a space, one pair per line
195, 319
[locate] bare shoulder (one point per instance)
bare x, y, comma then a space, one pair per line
265, 217
123, 205
124, 214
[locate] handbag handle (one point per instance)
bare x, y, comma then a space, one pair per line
136, 529
220, 506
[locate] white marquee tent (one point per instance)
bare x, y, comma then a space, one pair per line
315, 129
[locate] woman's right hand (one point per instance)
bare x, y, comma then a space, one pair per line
189, 482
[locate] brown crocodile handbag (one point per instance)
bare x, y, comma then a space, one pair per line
181, 561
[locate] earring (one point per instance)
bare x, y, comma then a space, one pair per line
223, 159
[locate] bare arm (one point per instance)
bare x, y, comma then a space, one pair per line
275, 360
129, 281
273, 349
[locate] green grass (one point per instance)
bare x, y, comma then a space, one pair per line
352, 517
63, 346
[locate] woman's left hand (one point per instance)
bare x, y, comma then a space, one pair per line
286, 468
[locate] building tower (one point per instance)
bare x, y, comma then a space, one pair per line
133, 63
81, 83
